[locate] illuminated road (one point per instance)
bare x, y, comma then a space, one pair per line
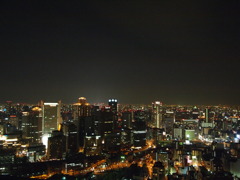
98, 168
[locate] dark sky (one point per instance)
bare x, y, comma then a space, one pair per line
178, 52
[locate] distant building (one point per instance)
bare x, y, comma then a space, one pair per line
51, 118
32, 124
92, 145
157, 114
70, 131
113, 103
56, 146
106, 123
35, 152
82, 118
158, 171
126, 118
139, 129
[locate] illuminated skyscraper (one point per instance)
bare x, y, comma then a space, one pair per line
51, 118
32, 124
157, 114
81, 108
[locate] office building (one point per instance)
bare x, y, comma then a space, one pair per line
51, 118
139, 129
113, 103
157, 114
56, 145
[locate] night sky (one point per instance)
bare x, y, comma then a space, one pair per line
178, 52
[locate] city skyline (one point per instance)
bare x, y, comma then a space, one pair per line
136, 52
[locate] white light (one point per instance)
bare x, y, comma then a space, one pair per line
139, 132
45, 139
3, 138
115, 100
157, 102
25, 113
11, 140
236, 140
51, 104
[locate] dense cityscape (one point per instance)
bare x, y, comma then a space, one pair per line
53, 140
119, 90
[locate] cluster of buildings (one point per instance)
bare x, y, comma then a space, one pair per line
128, 141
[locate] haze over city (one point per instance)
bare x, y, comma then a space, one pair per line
133, 90
135, 51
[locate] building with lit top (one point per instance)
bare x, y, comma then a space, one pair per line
113, 103
32, 124
157, 114
51, 118
82, 117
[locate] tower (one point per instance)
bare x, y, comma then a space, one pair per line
206, 115
139, 129
83, 118
32, 124
51, 118
156, 114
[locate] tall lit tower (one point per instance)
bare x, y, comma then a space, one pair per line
51, 118
157, 114
206, 115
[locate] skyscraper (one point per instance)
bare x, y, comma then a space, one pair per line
156, 114
51, 118
82, 116
32, 124
113, 103
56, 145
139, 129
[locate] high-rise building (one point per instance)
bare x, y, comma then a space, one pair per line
113, 103
82, 100
81, 108
56, 145
8, 107
51, 118
82, 118
127, 119
157, 114
206, 115
106, 123
70, 131
139, 129
32, 124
